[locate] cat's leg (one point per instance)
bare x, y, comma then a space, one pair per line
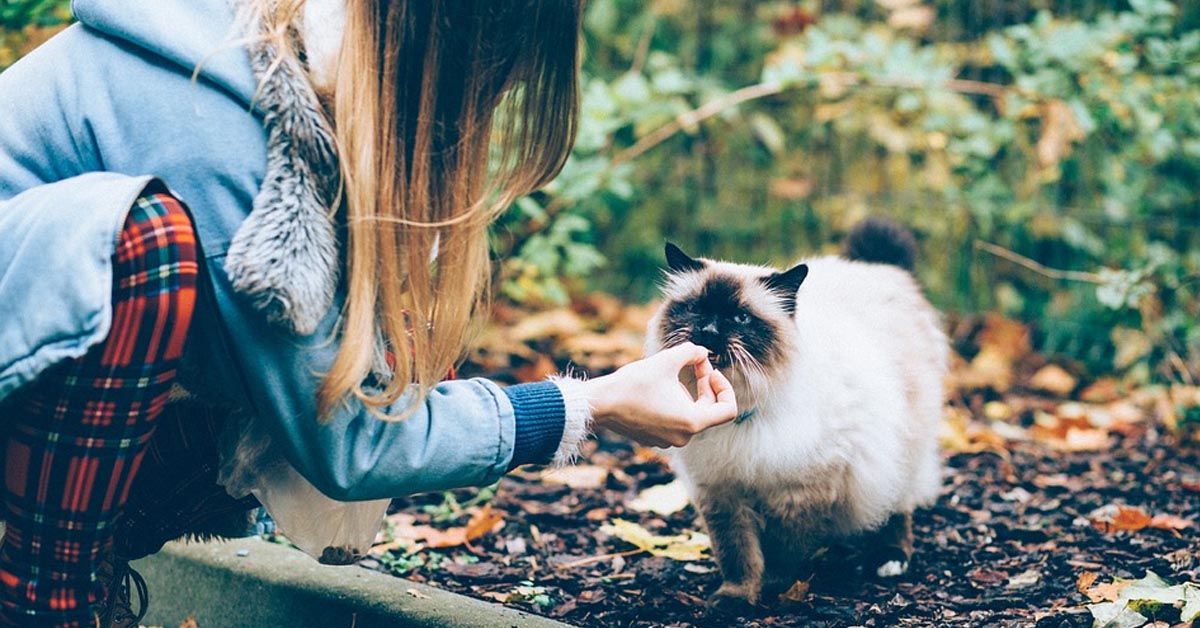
734, 528
787, 555
886, 551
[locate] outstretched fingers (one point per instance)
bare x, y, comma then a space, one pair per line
716, 400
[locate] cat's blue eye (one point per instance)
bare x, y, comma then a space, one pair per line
741, 318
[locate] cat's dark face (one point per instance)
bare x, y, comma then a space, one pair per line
741, 314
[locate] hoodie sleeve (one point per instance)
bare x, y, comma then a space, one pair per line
464, 433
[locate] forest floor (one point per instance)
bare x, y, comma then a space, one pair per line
1068, 501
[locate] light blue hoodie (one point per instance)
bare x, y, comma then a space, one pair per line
91, 118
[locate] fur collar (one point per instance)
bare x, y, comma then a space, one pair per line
285, 255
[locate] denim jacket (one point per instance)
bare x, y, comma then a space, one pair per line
108, 107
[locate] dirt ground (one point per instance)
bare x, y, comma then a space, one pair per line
1061, 486
1006, 545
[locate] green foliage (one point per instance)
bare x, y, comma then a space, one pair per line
1070, 139
23, 24
1066, 131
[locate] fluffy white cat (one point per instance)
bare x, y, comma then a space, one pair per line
838, 365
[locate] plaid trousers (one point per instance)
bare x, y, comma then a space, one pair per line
77, 435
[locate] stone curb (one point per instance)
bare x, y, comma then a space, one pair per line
256, 584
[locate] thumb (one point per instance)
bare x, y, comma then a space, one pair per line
683, 355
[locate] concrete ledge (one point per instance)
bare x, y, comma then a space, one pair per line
272, 585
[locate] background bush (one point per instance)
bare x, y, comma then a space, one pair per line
1046, 152
1060, 135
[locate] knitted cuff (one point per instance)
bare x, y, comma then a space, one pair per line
539, 412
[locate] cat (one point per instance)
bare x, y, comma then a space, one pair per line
837, 364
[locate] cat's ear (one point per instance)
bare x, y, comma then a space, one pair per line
786, 284
679, 262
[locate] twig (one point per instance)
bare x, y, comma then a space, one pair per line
1045, 271
643, 49
694, 117
595, 559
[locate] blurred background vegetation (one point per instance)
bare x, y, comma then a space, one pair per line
1046, 152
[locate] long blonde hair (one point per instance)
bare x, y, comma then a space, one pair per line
444, 112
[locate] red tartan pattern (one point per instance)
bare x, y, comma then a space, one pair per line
80, 430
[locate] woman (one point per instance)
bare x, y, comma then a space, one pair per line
298, 234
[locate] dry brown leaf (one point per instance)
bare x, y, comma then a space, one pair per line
797, 593
1085, 581
483, 520
1103, 390
790, 188
961, 435
914, 18
1053, 379
1007, 337
990, 368
1060, 130
1083, 440
190, 622
536, 371
1112, 518
1173, 523
559, 323
577, 476
1107, 592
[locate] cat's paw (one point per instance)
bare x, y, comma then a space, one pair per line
733, 599
892, 569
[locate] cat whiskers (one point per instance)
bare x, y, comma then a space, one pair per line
750, 369
676, 337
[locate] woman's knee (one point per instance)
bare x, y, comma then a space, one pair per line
156, 268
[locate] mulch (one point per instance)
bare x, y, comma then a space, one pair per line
1005, 545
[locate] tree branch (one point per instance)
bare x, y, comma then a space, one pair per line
1045, 271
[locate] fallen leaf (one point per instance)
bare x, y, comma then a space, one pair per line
577, 476
1149, 595
417, 594
1085, 581
1107, 592
1026, 578
1009, 339
798, 592
1169, 522
559, 323
1060, 130
683, 547
190, 622
1103, 390
483, 520
1112, 518
915, 18
1053, 379
1115, 615
664, 499
537, 370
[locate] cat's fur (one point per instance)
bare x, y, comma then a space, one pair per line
839, 364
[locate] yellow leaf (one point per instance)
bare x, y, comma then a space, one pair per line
684, 547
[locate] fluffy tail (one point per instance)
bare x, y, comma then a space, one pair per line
881, 241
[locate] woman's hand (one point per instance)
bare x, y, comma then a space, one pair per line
645, 400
